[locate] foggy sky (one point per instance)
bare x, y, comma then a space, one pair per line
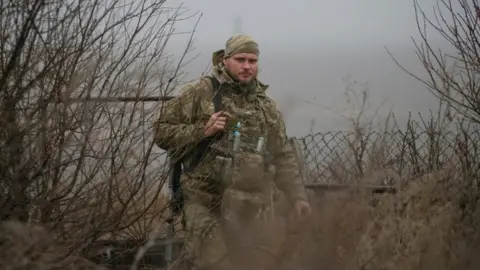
308, 46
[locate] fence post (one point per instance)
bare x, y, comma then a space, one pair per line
299, 158
171, 217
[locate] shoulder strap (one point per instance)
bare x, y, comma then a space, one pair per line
199, 151
178, 199
217, 98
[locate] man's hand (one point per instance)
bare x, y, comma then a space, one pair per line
302, 208
216, 123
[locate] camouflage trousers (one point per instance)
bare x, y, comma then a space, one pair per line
245, 232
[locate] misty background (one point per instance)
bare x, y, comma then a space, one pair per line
308, 48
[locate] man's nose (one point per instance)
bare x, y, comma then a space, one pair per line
246, 65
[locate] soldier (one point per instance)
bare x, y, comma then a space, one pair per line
229, 187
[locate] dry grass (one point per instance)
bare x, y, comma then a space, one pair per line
32, 247
428, 225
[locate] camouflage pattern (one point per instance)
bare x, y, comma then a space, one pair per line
240, 44
223, 199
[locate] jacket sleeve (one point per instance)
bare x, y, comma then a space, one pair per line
181, 123
287, 178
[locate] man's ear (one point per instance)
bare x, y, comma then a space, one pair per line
225, 61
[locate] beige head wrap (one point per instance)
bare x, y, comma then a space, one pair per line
236, 44
240, 44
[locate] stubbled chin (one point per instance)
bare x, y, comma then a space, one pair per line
245, 79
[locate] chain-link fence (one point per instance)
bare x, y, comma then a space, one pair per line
377, 157
383, 157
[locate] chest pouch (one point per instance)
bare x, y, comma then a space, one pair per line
245, 167
247, 180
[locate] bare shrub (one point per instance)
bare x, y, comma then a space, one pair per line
452, 72
24, 246
74, 158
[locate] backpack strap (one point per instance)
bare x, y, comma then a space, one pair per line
199, 151
217, 97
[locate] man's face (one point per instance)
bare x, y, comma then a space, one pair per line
242, 66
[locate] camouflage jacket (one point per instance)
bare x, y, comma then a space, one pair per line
181, 124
